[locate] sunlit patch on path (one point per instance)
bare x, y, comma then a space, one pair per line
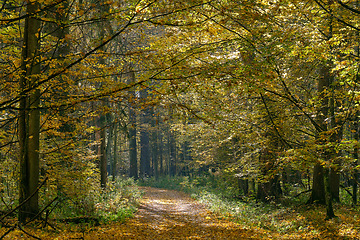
166, 214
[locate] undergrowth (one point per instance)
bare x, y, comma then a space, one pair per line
76, 215
115, 203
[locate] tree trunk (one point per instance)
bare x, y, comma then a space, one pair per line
115, 155
161, 151
243, 184
356, 157
335, 138
110, 144
172, 154
132, 147
318, 194
268, 187
102, 152
334, 181
322, 190
144, 154
104, 118
154, 145
329, 205
29, 115
318, 186
171, 147
144, 138
133, 170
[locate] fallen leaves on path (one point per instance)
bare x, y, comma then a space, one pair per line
167, 214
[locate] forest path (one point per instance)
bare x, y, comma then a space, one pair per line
168, 214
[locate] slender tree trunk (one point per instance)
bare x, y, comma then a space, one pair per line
355, 186
144, 138
104, 118
335, 138
161, 151
133, 147
172, 154
115, 158
171, 147
324, 85
356, 157
133, 170
102, 152
110, 144
355, 183
29, 115
356, 129
154, 145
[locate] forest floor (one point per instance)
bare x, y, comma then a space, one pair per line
169, 214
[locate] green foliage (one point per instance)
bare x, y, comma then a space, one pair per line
116, 203
251, 213
224, 186
345, 197
8, 184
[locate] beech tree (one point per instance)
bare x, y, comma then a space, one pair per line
29, 115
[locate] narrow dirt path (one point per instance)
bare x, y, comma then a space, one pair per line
166, 214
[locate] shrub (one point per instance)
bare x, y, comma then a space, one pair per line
116, 203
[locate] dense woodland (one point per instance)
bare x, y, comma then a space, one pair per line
259, 96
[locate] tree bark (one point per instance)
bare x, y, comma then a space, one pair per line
144, 138
133, 170
161, 151
356, 157
29, 115
144, 154
115, 156
327, 155
172, 154
329, 200
102, 152
334, 182
318, 186
171, 147
268, 187
154, 145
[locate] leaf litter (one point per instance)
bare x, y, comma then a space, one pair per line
168, 214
